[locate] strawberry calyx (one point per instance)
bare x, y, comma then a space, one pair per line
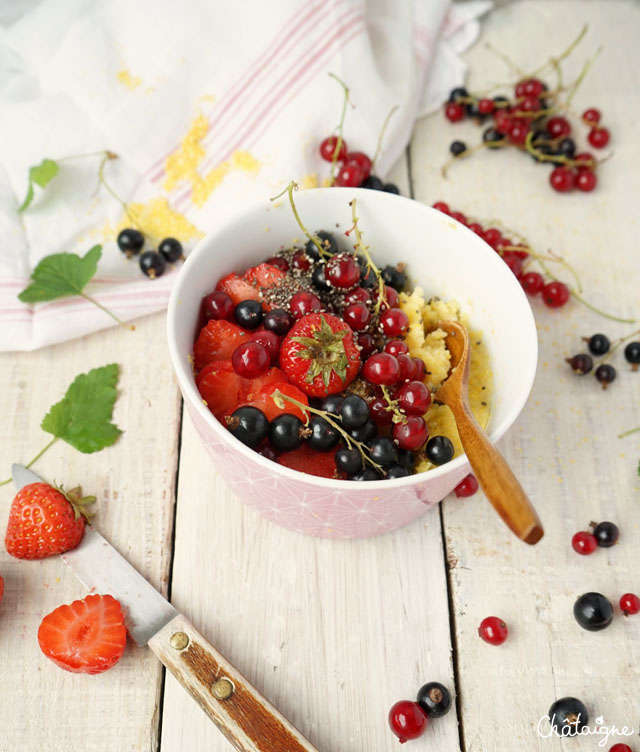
78, 501
326, 352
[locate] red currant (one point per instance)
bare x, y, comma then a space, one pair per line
621, 748
532, 283
407, 367
486, 106
493, 630
350, 175
412, 434
394, 322
357, 315
591, 116
530, 104
477, 228
502, 121
518, 132
630, 604
303, 303
467, 487
366, 344
558, 126
300, 261
454, 112
584, 543
278, 262
391, 294
459, 217
414, 398
217, 305
441, 207
362, 160
514, 262
585, 160
555, 294
269, 340
520, 88
493, 237
250, 360
586, 180
381, 369
533, 88
328, 148
598, 137
407, 720
358, 295
562, 179
379, 413
343, 271
419, 371
396, 347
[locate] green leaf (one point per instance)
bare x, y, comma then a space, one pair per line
44, 173
61, 274
83, 417
28, 198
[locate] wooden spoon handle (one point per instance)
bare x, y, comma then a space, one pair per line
496, 478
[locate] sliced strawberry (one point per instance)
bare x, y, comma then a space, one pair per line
306, 460
86, 637
264, 275
238, 289
217, 341
264, 401
220, 386
250, 388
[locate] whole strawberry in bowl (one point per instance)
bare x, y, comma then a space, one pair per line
312, 377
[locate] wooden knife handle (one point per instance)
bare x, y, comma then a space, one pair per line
245, 717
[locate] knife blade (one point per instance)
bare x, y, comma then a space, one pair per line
243, 715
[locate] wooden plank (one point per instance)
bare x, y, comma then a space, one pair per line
332, 632
45, 707
564, 446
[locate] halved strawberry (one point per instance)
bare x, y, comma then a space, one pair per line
264, 275
238, 289
250, 388
264, 401
217, 341
219, 386
86, 637
312, 462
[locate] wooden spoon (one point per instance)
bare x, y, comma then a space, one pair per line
495, 477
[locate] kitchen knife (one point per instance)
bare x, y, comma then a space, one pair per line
245, 717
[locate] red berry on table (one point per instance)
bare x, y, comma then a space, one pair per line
630, 604
555, 294
85, 637
217, 305
585, 160
350, 175
514, 262
486, 106
520, 88
493, 630
454, 112
586, 180
381, 369
357, 315
250, 360
407, 720
396, 347
412, 434
584, 543
502, 121
477, 228
562, 179
269, 340
598, 137
621, 748
558, 126
533, 87
43, 521
394, 322
303, 303
362, 160
414, 398
591, 116
530, 104
319, 355
328, 148
441, 206
342, 271
532, 282
459, 217
467, 487
493, 237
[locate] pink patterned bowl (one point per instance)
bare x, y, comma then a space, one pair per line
445, 259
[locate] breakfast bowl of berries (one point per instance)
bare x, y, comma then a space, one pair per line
305, 336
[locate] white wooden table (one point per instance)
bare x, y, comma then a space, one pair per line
335, 632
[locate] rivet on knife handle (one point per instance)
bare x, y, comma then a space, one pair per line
245, 717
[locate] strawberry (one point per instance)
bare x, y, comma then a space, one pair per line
264, 402
45, 521
307, 460
237, 288
250, 388
217, 341
264, 275
86, 637
319, 355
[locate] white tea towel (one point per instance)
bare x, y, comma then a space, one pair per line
208, 106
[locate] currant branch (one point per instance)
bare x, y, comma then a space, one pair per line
293, 186
359, 245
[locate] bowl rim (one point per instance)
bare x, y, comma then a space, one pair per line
186, 380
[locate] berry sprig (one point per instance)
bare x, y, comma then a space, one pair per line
600, 345
293, 186
360, 247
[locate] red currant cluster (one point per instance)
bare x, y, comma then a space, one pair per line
600, 346
353, 168
409, 719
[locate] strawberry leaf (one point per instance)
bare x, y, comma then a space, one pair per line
61, 274
41, 175
83, 417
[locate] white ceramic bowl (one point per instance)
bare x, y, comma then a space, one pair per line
445, 259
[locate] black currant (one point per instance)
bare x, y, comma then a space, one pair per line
364, 433
405, 458
435, 699
319, 280
581, 363
393, 277
368, 277
152, 264
566, 147
500, 102
331, 404
327, 241
593, 611
632, 354
439, 450
278, 321
249, 425
367, 474
491, 134
605, 374
458, 93
607, 534
391, 188
457, 148
286, 432
170, 249
353, 411
397, 471
348, 460
598, 344
323, 435
383, 451
249, 314
373, 183
268, 452
568, 716
130, 241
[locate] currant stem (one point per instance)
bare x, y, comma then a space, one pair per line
360, 246
574, 86
597, 310
392, 406
471, 150
102, 153
106, 310
378, 151
338, 146
293, 186
35, 459
103, 181
505, 58
629, 432
556, 60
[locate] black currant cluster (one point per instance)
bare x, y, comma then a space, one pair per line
153, 263
600, 346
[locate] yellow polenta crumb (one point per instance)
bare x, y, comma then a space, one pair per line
427, 342
155, 219
127, 80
